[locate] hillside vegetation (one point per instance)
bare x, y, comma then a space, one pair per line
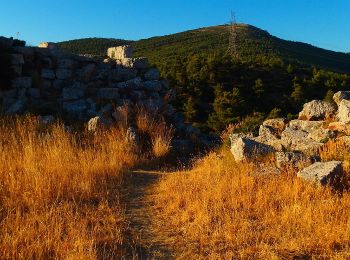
269, 77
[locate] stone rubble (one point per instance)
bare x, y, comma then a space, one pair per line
297, 143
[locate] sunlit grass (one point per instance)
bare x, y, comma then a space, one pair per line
59, 191
223, 210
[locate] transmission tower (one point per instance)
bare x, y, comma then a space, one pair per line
232, 47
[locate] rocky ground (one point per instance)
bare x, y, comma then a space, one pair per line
298, 143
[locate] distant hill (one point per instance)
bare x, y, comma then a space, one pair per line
269, 77
252, 44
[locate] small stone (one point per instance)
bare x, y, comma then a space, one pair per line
98, 123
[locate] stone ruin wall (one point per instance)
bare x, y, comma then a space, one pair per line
50, 81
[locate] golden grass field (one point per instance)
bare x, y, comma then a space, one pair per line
221, 209
59, 192
61, 197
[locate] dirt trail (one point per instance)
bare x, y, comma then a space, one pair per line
148, 243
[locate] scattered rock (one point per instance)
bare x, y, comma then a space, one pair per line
323, 172
317, 110
246, 149
98, 123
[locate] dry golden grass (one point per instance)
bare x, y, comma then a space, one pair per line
223, 210
161, 139
155, 127
59, 192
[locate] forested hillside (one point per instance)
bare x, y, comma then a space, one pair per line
269, 76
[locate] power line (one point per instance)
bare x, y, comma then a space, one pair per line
232, 47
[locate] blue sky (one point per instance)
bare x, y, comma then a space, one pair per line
324, 23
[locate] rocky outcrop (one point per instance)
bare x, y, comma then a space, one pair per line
324, 173
317, 110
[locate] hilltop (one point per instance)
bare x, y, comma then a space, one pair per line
252, 43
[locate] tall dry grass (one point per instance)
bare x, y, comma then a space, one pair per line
59, 192
224, 210
156, 129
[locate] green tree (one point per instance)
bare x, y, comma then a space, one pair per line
226, 108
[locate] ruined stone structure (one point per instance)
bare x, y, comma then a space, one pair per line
48, 80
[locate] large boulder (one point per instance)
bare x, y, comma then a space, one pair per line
120, 52
344, 111
317, 110
315, 129
268, 136
323, 172
293, 159
246, 149
341, 95
298, 140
